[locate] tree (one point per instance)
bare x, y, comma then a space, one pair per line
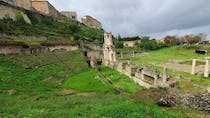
171, 40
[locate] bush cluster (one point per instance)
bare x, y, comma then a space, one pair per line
151, 45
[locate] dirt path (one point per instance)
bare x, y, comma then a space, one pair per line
180, 67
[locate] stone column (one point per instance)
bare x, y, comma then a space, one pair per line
193, 66
115, 58
155, 80
121, 54
206, 71
165, 75
142, 75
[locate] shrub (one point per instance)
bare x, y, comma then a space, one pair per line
32, 17
151, 45
20, 19
47, 21
118, 44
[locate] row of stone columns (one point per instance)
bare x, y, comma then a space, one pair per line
206, 70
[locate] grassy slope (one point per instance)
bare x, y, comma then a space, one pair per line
93, 81
36, 87
65, 32
87, 82
122, 81
15, 76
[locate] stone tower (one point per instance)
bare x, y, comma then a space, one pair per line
109, 50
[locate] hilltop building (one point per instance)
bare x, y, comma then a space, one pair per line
70, 14
91, 22
45, 7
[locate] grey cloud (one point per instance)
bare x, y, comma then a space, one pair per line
144, 17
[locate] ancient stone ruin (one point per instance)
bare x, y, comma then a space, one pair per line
206, 71
91, 22
109, 50
139, 75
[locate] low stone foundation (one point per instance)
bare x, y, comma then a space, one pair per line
138, 74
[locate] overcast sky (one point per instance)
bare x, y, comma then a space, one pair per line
156, 18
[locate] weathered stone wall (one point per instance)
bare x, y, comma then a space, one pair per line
10, 12
42, 38
60, 47
9, 1
41, 6
95, 54
69, 14
46, 8
26, 4
53, 11
91, 22
130, 43
21, 49
4, 50
93, 46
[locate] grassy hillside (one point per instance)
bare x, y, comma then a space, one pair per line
93, 81
33, 92
65, 32
27, 73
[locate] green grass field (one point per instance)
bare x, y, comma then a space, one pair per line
34, 91
93, 81
167, 54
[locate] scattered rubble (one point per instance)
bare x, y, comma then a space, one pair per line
198, 101
167, 101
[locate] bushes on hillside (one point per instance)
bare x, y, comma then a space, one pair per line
92, 34
51, 29
118, 44
151, 45
20, 19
